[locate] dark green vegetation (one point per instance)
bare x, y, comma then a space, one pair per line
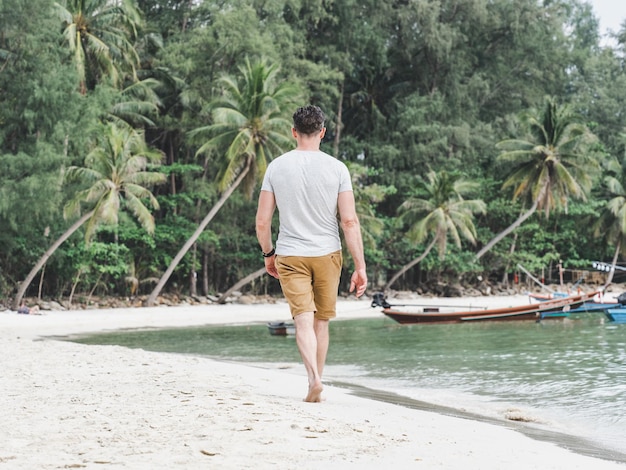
492, 131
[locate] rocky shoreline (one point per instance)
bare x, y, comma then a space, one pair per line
434, 289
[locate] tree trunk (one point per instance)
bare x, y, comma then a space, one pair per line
408, 266
189, 243
41, 277
506, 231
249, 278
173, 174
612, 271
33, 272
193, 275
505, 276
74, 285
205, 273
339, 124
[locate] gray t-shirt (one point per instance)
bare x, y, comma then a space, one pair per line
306, 185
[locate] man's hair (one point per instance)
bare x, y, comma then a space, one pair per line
308, 120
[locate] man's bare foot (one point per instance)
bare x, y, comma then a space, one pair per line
315, 394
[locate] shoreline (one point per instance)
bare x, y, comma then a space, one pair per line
577, 444
112, 407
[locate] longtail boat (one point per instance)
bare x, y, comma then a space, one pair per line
549, 309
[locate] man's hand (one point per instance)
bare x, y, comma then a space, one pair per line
358, 282
270, 266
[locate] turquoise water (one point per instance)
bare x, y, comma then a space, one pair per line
567, 376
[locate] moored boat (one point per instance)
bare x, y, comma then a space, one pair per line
617, 315
601, 304
281, 328
549, 309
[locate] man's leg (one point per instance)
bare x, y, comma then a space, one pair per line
323, 338
306, 339
326, 273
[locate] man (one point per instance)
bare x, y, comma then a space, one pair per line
24, 310
310, 187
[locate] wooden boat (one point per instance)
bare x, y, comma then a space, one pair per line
617, 315
281, 328
600, 304
595, 307
556, 308
541, 297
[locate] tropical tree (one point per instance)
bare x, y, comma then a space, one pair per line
548, 167
137, 104
365, 197
100, 35
117, 175
250, 126
611, 224
439, 211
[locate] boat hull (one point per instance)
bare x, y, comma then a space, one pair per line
616, 315
591, 307
281, 328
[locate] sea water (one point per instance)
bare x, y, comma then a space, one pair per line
566, 376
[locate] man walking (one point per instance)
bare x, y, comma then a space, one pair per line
309, 188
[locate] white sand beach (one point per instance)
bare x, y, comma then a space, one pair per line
69, 405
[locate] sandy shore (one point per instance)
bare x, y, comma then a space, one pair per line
68, 405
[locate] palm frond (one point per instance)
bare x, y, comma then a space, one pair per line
249, 123
554, 164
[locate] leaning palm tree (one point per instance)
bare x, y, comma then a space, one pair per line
115, 171
612, 221
100, 35
439, 211
550, 166
250, 126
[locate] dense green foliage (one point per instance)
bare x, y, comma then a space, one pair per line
411, 88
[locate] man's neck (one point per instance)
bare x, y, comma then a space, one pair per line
308, 148
311, 144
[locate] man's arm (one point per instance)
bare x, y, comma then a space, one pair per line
354, 241
264, 214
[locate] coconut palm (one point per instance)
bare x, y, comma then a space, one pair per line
250, 126
438, 212
612, 221
115, 171
137, 104
550, 166
100, 35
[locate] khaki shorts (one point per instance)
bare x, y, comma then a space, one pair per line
310, 283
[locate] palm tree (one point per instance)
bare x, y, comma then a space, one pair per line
612, 221
549, 167
100, 36
250, 126
440, 213
137, 104
116, 172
